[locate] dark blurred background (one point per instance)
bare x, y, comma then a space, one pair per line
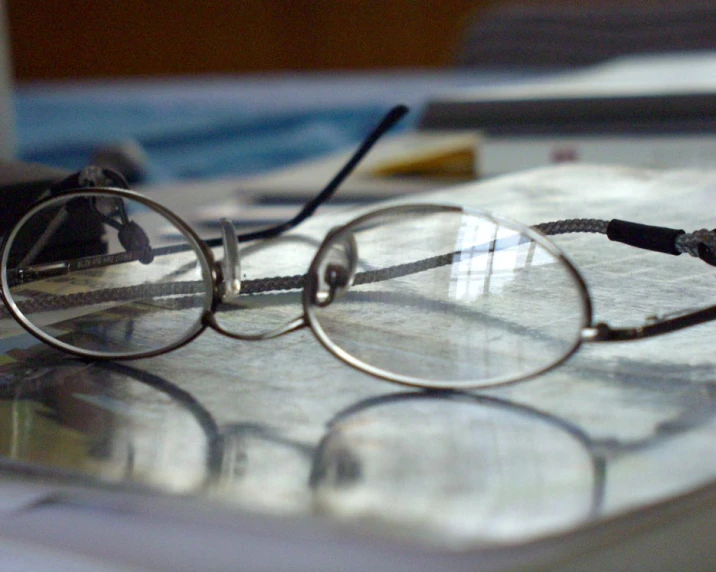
102, 38
109, 38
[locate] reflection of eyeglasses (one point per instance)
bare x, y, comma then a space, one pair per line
364, 455
427, 295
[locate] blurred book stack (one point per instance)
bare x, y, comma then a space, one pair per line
654, 111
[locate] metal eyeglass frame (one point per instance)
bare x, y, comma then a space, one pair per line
222, 280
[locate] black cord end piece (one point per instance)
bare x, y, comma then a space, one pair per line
656, 238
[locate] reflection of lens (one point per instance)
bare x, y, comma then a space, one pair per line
475, 469
449, 297
111, 422
120, 302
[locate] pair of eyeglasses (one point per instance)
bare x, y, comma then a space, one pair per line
428, 295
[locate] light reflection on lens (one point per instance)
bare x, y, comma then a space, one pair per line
450, 297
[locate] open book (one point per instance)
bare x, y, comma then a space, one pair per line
275, 455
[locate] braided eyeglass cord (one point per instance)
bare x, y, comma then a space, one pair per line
685, 243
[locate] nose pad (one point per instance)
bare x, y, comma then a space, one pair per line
337, 270
231, 266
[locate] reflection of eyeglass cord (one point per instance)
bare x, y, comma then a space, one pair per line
680, 242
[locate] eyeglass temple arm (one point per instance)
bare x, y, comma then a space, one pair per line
655, 326
390, 119
700, 243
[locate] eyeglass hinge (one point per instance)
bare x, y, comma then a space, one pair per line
600, 332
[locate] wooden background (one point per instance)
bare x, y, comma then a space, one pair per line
106, 38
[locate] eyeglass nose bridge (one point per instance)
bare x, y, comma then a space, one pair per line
229, 288
209, 320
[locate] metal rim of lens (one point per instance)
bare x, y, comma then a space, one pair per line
315, 324
206, 260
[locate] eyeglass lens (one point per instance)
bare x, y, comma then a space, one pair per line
105, 291
446, 297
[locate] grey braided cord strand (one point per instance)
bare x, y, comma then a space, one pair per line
47, 303
573, 225
548, 228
